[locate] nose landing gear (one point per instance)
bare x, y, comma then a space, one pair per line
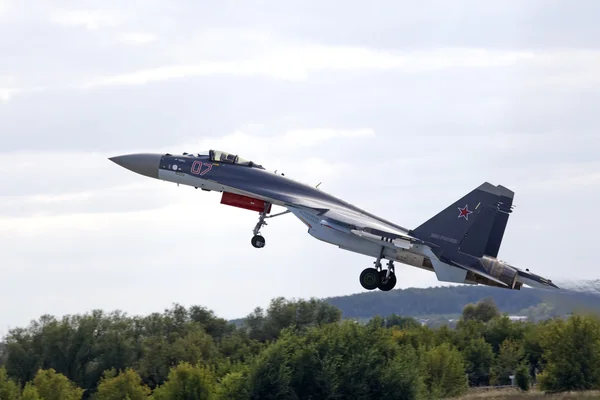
257, 240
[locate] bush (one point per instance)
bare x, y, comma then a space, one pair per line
522, 377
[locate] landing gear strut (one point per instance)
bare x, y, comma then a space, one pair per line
388, 277
379, 278
257, 240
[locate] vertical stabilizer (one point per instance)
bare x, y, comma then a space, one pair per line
476, 239
497, 232
449, 227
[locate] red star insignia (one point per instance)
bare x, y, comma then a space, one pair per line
464, 212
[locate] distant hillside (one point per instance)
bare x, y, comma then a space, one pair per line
450, 300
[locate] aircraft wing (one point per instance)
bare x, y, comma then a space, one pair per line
351, 222
346, 219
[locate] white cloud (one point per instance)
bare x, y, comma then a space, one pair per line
138, 38
7, 94
4, 7
89, 19
297, 62
312, 137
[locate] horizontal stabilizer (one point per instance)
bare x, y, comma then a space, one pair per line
534, 280
444, 272
480, 273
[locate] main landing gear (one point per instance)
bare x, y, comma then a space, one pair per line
379, 278
257, 240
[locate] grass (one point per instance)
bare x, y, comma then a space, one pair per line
514, 394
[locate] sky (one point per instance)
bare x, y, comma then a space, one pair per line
398, 107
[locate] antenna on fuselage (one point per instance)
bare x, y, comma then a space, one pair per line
318, 184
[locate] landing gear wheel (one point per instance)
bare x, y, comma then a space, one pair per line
258, 241
370, 279
386, 285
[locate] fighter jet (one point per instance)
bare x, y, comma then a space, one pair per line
460, 244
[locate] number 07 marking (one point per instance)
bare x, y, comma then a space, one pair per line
197, 168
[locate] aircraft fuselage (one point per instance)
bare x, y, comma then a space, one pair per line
453, 246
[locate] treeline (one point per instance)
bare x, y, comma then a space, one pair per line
292, 350
449, 300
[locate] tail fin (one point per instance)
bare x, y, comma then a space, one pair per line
477, 237
497, 232
449, 227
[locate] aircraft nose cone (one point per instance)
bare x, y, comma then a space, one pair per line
146, 164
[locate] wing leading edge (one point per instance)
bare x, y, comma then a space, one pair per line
362, 226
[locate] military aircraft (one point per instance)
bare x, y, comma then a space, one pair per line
460, 244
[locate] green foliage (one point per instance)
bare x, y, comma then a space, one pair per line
522, 377
532, 347
505, 365
484, 311
29, 392
127, 385
295, 349
51, 385
501, 328
571, 351
401, 322
187, 382
337, 361
445, 372
9, 390
478, 355
234, 386
82, 347
300, 314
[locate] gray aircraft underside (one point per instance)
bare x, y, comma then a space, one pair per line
460, 244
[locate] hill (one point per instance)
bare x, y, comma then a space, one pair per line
447, 302
450, 300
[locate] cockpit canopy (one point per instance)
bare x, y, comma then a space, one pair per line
224, 157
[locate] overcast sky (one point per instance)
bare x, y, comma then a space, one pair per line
397, 108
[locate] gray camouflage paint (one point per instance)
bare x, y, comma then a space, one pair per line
467, 234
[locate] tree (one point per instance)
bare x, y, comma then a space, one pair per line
523, 377
234, 386
444, 372
283, 313
9, 390
344, 360
505, 365
479, 356
29, 392
187, 382
271, 375
484, 310
401, 322
128, 384
502, 328
190, 343
54, 386
571, 351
